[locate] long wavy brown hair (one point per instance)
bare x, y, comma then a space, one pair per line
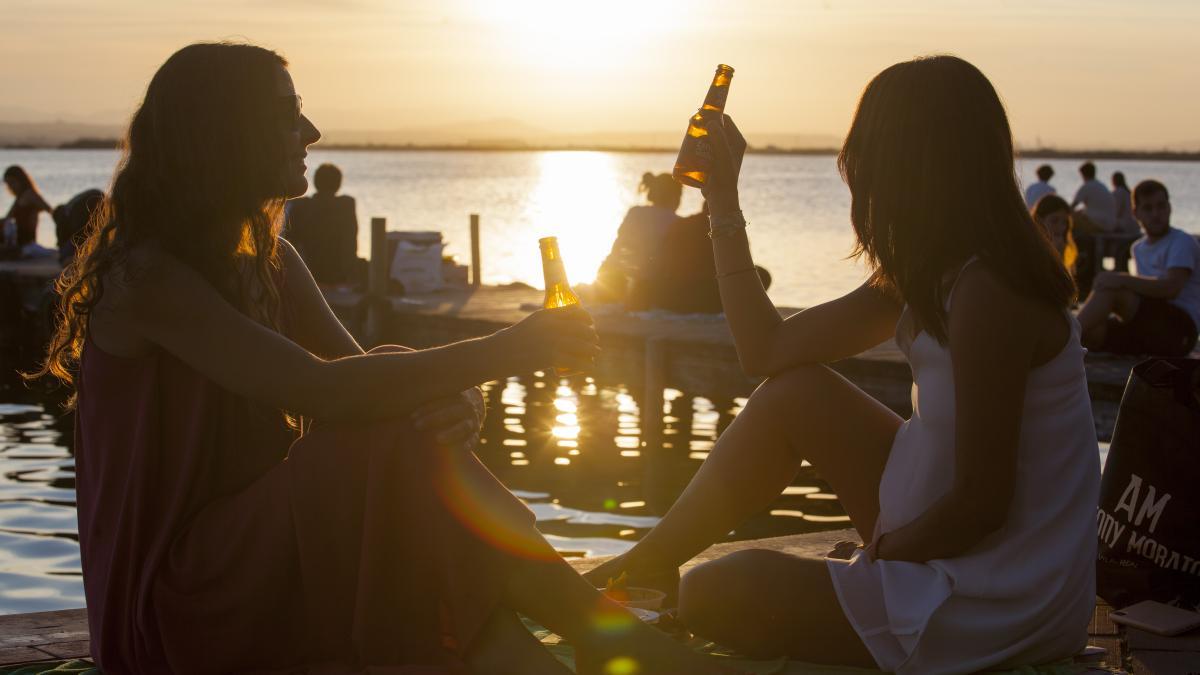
201, 177
929, 164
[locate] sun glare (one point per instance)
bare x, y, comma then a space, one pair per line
577, 199
572, 34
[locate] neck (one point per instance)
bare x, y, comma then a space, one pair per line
1153, 238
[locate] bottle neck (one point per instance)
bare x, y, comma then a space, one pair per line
718, 91
552, 265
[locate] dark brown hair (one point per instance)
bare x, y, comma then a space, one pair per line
929, 164
200, 176
19, 180
1148, 188
327, 178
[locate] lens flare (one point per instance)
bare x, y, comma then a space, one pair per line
482, 505
622, 665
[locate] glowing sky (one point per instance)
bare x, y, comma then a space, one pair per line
1073, 73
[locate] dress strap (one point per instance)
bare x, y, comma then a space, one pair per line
957, 276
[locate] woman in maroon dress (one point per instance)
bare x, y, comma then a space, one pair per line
212, 539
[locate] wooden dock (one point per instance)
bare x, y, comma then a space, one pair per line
62, 635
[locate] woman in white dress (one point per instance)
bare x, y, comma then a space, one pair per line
978, 513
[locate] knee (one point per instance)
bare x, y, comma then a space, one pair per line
793, 384
389, 349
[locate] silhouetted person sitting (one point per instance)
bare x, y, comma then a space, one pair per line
1042, 187
684, 278
1096, 211
1123, 201
19, 228
70, 221
324, 229
1157, 310
639, 239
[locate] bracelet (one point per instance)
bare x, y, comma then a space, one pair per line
725, 224
736, 272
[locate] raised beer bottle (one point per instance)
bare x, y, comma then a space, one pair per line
696, 155
558, 290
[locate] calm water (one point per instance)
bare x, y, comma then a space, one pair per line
797, 206
572, 450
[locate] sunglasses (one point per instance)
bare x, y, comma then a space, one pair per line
289, 111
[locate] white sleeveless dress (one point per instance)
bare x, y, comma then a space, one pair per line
1025, 594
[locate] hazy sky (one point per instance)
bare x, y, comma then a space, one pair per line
1073, 73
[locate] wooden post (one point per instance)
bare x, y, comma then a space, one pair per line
377, 283
652, 408
476, 269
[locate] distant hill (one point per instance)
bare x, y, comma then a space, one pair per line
54, 134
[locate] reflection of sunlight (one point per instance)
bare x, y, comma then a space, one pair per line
575, 199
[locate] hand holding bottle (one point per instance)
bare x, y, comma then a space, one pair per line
729, 147
562, 337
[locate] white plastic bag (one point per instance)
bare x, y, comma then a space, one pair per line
417, 261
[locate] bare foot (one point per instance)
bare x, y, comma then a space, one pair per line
665, 579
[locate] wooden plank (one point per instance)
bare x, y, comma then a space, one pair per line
15, 656
43, 628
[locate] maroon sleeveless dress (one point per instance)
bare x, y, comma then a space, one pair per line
214, 541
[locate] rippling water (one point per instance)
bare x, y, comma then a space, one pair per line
570, 449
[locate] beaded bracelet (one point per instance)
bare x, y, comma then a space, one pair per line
725, 224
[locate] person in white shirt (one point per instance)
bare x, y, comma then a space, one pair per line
1042, 187
1157, 310
1098, 212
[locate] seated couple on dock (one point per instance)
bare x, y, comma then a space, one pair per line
214, 540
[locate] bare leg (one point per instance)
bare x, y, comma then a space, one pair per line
537, 582
1093, 316
767, 604
806, 413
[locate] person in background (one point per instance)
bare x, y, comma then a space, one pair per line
1042, 187
324, 229
1123, 202
684, 278
71, 220
1157, 309
1053, 214
1096, 212
20, 224
639, 239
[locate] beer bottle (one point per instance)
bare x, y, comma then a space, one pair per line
558, 290
696, 155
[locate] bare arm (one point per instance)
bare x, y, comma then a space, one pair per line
173, 307
993, 336
768, 344
315, 326
1166, 288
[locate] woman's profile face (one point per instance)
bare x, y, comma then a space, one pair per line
298, 133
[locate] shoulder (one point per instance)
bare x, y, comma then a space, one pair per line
981, 298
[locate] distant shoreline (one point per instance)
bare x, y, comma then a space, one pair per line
1032, 153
